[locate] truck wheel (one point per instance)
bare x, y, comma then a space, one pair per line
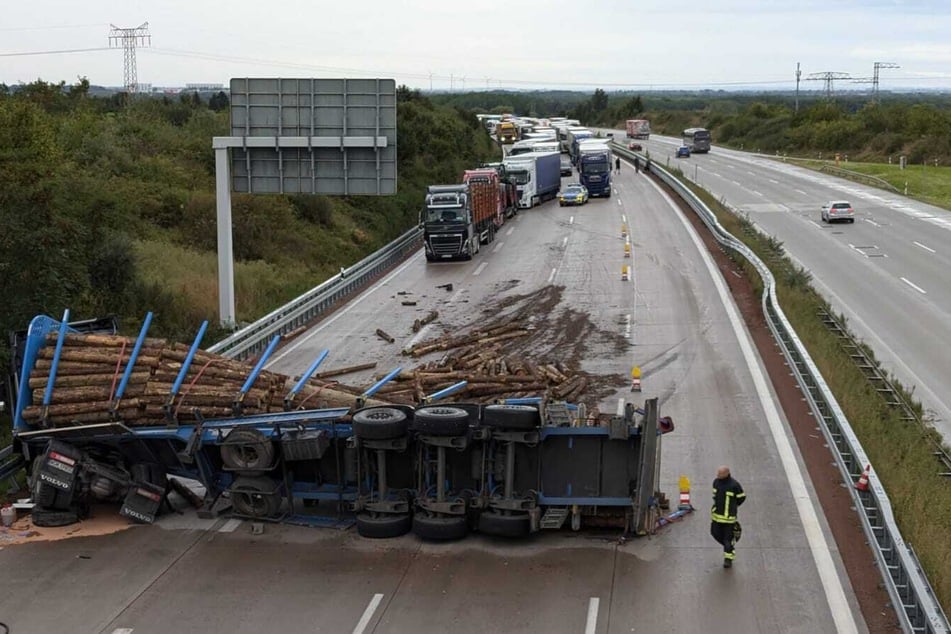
150, 472
517, 417
434, 528
257, 498
383, 526
379, 423
247, 449
49, 497
441, 421
48, 518
494, 523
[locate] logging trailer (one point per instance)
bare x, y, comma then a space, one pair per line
442, 471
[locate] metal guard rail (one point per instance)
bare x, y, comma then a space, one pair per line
253, 339
915, 604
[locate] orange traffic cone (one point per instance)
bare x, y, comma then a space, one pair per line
684, 494
862, 484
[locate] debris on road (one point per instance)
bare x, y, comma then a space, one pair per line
384, 336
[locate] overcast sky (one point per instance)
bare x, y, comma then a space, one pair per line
613, 44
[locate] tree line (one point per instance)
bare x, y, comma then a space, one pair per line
105, 199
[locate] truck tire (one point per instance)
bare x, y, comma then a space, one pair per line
435, 528
441, 421
383, 526
379, 423
516, 417
494, 523
50, 518
247, 449
258, 498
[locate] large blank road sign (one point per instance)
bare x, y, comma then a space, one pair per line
313, 136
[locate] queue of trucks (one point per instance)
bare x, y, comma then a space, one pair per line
459, 218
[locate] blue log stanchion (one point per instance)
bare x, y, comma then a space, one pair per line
186, 365
446, 391
289, 399
239, 399
131, 364
376, 386
48, 394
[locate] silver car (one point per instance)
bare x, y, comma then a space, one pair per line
838, 210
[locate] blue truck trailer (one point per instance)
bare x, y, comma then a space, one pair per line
537, 176
439, 470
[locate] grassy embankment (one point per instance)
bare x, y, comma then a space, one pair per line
925, 182
901, 452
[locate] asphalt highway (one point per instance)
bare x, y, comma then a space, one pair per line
189, 575
887, 272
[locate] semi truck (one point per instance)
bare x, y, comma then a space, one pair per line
506, 132
438, 470
638, 129
576, 136
564, 137
453, 226
537, 176
595, 165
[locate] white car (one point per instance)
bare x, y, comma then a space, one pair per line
838, 210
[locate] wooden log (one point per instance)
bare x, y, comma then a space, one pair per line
93, 355
34, 412
345, 370
104, 341
573, 395
72, 368
78, 380
384, 336
87, 394
124, 417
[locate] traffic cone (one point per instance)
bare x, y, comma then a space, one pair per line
862, 484
684, 494
636, 379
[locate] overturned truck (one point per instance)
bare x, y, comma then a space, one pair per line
440, 470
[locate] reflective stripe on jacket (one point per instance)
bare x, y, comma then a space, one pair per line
727, 497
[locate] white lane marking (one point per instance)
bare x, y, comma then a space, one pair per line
230, 526
368, 614
615, 192
571, 220
591, 624
497, 247
480, 268
414, 261
801, 192
858, 250
737, 183
122, 630
751, 173
627, 326
929, 249
509, 232
872, 222
818, 545
623, 217
564, 242
756, 192
773, 180
618, 201
914, 286
552, 275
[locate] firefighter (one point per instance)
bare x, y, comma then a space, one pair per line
637, 165
728, 495
617, 165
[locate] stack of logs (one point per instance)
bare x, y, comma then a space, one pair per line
91, 367
485, 360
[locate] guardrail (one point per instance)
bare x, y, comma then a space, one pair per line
251, 340
915, 603
841, 172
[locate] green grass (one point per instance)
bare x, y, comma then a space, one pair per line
901, 452
191, 278
927, 183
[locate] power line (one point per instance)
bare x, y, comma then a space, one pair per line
9, 29
59, 52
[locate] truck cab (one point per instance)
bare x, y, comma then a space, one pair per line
447, 223
595, 166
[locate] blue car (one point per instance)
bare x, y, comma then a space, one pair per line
683, 152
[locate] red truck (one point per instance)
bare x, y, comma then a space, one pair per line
488, 200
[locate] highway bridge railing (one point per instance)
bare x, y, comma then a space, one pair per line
251, 340
908, 588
